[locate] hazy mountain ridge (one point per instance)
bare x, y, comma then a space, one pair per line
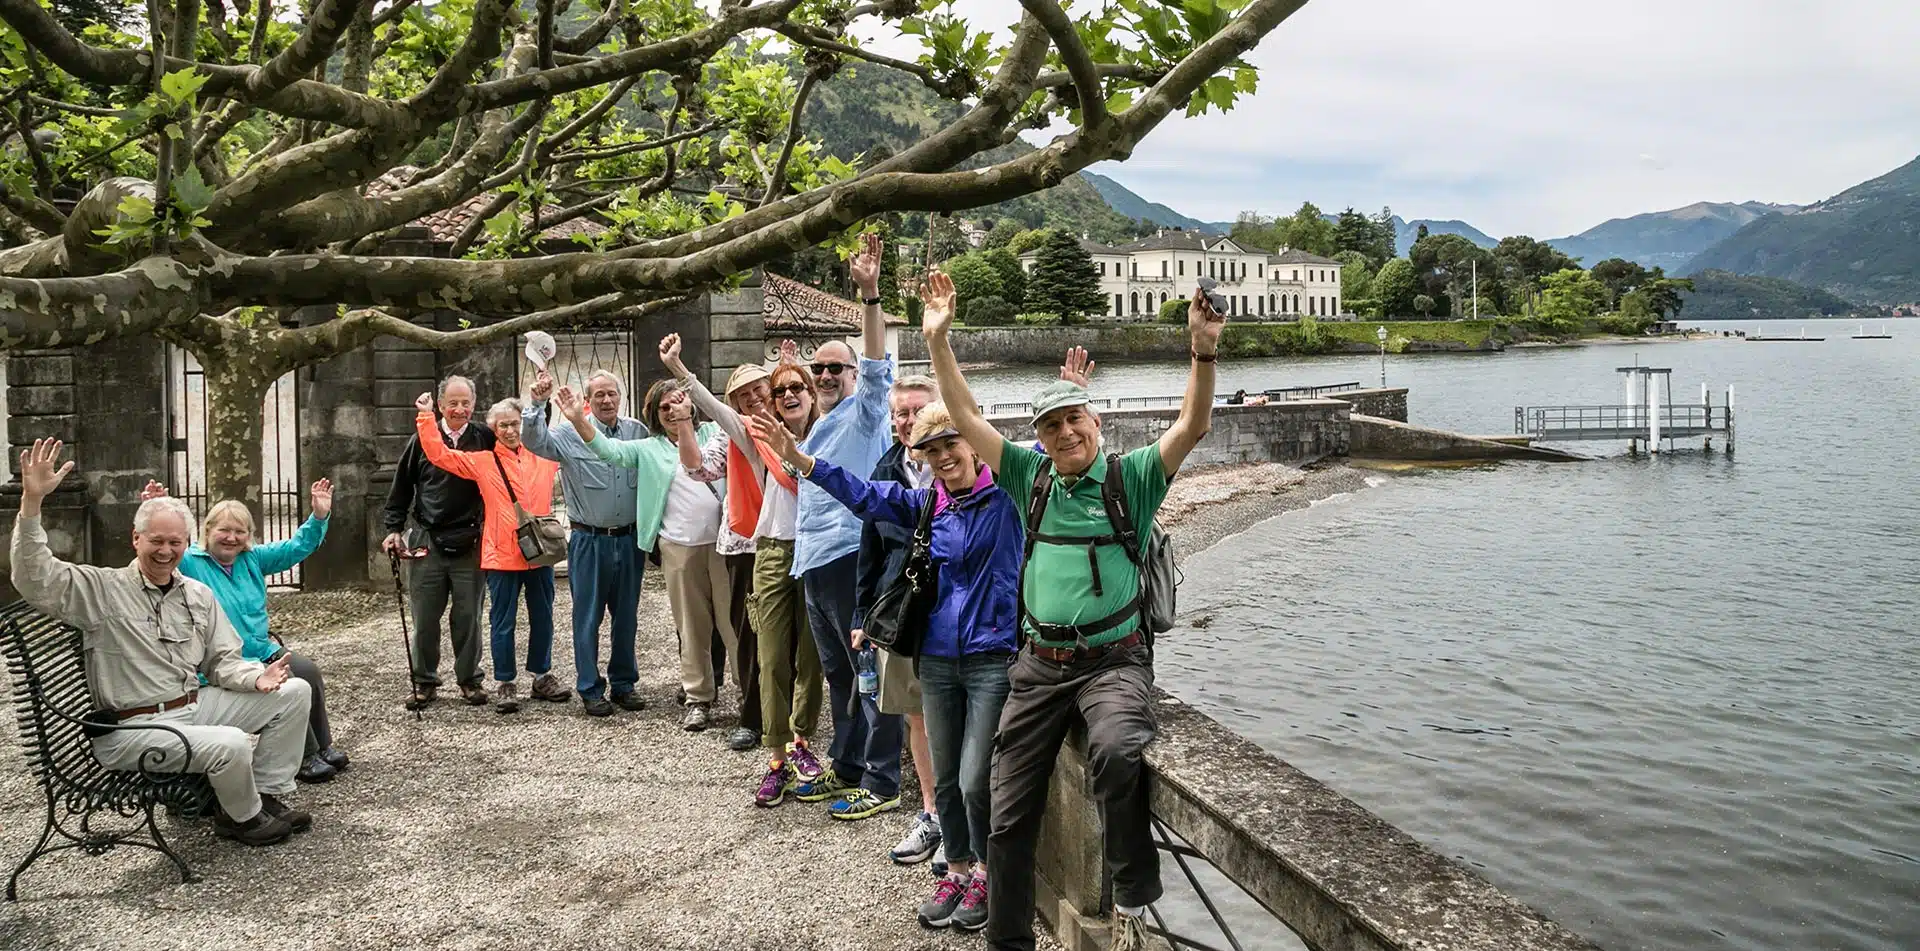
1668, 239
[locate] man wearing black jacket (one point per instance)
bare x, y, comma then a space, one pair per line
447, 509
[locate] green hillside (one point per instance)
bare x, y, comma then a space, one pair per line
880, 112
1667, 239
1721, 295
1863, 244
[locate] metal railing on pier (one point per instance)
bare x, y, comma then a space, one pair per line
1568, 423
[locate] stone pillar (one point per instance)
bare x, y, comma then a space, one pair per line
338, 441
691, 321
1070, 863
737, 332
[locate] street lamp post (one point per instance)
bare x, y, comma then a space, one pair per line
1381, 334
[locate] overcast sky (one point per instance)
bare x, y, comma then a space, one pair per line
1544, 117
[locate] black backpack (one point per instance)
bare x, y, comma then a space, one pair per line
1159, 578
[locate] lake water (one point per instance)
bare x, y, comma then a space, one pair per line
1674, 703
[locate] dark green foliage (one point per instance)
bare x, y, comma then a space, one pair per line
1173, 311
1620, 276
77, 15
1863, 243
1013, 279
1394, 288
1064, 280
1721, 295
1444, 267
987, 312
1353, 231
973, 278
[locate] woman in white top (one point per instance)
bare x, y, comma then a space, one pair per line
790, 677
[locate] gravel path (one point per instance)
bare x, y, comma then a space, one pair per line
543, 829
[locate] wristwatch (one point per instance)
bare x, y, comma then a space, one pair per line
870, 301
1205, 357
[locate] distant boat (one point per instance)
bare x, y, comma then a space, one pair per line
1758, 337
1879, 333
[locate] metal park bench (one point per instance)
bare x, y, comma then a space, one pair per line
51, 699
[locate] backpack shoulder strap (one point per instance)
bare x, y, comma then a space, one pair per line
1036, 508
1113, 496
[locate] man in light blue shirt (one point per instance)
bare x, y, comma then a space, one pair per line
853, 432
603, 562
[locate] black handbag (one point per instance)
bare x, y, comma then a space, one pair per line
897, 622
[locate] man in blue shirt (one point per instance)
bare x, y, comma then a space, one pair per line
603, 562
853, 433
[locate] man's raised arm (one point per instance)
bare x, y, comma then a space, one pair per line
865, 270
936, 319
1196, 410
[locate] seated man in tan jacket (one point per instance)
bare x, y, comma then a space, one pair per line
149, 634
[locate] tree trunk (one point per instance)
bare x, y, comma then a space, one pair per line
237, 385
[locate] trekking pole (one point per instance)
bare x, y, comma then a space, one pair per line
406, 635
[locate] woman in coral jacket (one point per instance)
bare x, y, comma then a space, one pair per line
507, 572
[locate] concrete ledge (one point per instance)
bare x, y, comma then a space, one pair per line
1337, 874
1374, 438
1289, 431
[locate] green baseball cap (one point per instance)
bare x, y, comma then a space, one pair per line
1060, 394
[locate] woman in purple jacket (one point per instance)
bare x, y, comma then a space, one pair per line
970, 637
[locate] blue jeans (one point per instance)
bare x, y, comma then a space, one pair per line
866, 742
604, 572
503, 593
961, 698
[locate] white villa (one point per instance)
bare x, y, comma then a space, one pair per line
1137, 278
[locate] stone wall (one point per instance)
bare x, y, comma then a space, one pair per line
1295, 431
1386, 439
1378, 402
1334, 873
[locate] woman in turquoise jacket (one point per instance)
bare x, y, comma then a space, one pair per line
228, 561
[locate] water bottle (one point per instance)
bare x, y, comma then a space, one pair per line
867, 664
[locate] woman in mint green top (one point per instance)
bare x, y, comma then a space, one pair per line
228, 561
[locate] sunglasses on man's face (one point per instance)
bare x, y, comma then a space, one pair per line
794, 388
820, 369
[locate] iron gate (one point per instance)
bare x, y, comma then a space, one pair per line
283, 500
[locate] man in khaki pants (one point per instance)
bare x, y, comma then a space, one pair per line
149, 634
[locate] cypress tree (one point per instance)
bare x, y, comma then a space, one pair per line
1064, 280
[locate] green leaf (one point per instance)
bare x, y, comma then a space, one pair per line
191, 191
1118, 102
181, 86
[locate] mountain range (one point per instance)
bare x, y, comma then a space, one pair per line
1667, 239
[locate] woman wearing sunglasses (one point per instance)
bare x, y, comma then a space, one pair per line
977, 546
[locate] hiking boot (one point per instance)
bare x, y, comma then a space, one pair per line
315, 769
804, 764
629, 701
475, 695
862, 804
696, 718
937, 912
821, 788
334, 758
422, 695
262, 829
773, 785
298, 819
972, 913
549, 688
506, 699
597, 707
919, 844
742, 739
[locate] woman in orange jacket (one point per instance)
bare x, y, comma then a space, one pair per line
507, 572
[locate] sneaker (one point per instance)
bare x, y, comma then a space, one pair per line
696, 718
262, 829
972, 913
773, 786
937, 912
821, 788
742, 739
315, 769
506, 699
299, 820
1130, 934
862, 804
549, 688
597, 707
801, 757
919, 844
939, 865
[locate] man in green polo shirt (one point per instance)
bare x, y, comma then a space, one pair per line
1083, 625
